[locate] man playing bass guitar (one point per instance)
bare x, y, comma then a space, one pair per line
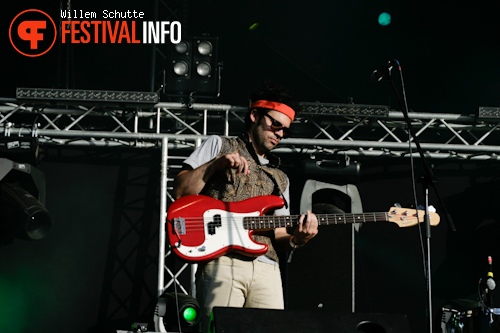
236, 169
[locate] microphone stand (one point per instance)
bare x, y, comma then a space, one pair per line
427, 182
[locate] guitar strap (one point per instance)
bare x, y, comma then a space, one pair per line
276, 175
278, 190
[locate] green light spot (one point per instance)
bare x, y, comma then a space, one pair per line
384, 19
190, 315
253, 26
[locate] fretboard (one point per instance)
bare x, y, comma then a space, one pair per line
271, 222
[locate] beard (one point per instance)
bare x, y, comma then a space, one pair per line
260, 140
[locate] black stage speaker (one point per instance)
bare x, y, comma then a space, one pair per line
238, 320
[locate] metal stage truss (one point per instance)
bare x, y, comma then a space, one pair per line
176, 129
353, 130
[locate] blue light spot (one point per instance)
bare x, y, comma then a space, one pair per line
384, 19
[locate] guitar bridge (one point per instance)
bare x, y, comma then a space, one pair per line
180, 225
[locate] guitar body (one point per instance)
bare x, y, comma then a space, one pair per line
201, 228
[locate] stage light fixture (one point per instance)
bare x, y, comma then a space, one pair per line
22, 195
203, 69
181, 68
489, 112
192, 69
177, 309
181, 47
79, 96
331, 109
205, 47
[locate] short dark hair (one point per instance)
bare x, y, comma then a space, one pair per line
271, 91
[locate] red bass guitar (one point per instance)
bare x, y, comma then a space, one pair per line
201, 228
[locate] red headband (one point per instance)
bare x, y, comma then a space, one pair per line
280, 107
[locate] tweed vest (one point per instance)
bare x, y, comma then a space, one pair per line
229, 186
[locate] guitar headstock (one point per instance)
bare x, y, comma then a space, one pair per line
405, 217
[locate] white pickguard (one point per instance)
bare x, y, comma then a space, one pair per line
230, 233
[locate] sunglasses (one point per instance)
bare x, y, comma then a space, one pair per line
276, 126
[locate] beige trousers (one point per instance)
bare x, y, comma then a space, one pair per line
234, 281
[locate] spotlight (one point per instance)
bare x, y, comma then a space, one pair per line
203, 69
181, 68
192, 69
205, 47
22, 215
384, 19
181, 47
178, 309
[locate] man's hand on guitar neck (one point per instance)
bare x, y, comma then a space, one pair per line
306, 229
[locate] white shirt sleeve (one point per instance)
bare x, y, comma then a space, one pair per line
208, 150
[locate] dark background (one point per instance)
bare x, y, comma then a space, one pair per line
323, 51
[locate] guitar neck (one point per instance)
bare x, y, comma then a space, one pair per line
271, 222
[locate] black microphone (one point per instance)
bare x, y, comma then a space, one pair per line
379, 73
490, 283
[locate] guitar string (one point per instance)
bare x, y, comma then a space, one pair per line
294, 218
290, 219
198, 224
268, 222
